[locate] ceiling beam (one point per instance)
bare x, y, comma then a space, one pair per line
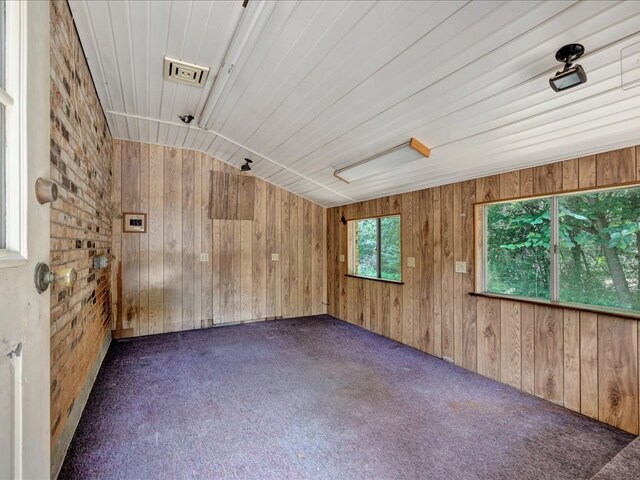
230, 140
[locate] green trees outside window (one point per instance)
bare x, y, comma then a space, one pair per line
597, 251
376, 248
519, 248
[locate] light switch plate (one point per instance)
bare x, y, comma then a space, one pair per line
411, 262
461, 267
275, 257
341, 258
204, 257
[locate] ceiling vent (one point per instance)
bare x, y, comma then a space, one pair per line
185, 72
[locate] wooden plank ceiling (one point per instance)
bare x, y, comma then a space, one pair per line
325, 84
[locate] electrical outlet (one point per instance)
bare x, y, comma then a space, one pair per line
204, 257
461, 267
275, 257
411, 262
341, 258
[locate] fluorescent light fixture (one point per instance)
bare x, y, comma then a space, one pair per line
252, 21
384, 162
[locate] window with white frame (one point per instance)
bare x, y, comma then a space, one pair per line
12, 133
3, 105
580, 248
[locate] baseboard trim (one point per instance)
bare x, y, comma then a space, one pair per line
59, 450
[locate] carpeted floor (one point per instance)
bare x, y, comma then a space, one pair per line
624, 466
317, 398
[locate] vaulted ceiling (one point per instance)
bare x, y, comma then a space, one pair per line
322, 85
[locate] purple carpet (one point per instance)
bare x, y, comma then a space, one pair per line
317, 398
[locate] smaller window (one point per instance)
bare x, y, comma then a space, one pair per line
374, 248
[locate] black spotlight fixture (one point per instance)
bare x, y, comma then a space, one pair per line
246, 167
187, 119
569, 76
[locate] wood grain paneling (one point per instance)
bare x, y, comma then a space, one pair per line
489, 337
570, 174
488, 188
425, 265
618, 166
446, 237
206, 247
155, 226
548, 372
188, 240
547, 178
510, 185
587, 172
232, 196
510, 343
526, 182
572, 360
143, 327
527, 326
570, 357
469, 327
130, 192
618, 372
172, 241
437, 273
166, 287
589, 364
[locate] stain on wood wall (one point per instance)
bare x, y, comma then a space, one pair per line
585, 361
165, 286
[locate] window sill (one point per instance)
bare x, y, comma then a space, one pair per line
571, 306
384, 280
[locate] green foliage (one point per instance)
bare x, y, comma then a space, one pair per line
599, 248
367, 238
367, 248
518, 248
391, 264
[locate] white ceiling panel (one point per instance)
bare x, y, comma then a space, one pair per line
321, 85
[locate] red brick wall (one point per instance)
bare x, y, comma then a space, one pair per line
80, 228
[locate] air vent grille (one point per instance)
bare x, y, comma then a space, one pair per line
185, 72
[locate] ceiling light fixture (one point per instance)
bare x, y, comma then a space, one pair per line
569, 76
251, 23
383, 162
246, 167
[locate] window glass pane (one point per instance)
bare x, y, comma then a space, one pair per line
3, 198
518, 248
390, 263
599, 248
3, 185
366, 248
3, 36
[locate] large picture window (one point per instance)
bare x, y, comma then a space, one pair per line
374, 248
580, 248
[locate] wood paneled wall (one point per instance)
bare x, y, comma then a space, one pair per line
585, 361
162, 284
